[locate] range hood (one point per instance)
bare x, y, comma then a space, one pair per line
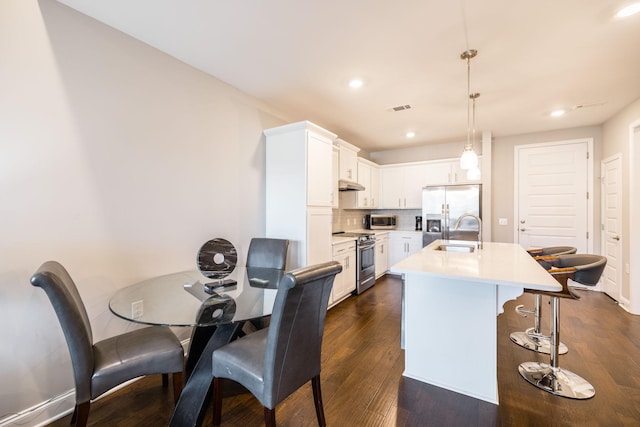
344, 185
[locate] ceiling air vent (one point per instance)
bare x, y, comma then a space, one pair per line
400, 107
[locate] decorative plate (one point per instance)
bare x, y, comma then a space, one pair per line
217, 258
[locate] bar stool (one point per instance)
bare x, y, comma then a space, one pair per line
532, 338
585, 270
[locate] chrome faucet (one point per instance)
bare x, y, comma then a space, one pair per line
477, 218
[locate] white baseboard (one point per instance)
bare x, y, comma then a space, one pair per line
55, 408
44, 413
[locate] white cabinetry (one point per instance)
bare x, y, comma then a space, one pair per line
335, 192
402, 244
345, 281
299, 190
447, 172
402, 186
382, 253
375, 186
348, 160
369, 178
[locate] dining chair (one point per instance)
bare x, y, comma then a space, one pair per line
267, 253
274, 362
100, 366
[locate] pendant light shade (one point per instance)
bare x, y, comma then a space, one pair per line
469, 159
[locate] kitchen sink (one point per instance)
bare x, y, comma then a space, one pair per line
456, 248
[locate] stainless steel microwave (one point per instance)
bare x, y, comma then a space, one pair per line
380, 222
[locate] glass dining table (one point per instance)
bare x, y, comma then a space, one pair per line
216, 309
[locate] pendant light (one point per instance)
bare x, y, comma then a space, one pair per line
473, 173
469, 158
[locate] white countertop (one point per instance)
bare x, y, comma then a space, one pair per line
496, 264
337, 239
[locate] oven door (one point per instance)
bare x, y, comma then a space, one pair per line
366, 276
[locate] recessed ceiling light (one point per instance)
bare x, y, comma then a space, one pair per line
355, 83
410, 134
558, 113
627, 11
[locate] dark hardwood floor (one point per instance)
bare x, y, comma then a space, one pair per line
362, 379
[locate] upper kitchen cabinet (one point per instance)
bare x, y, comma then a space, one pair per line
448, 172
299, 188
348, 160
301, 158
335, 176
401, 185
369, 178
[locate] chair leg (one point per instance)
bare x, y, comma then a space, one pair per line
269, 417
317, 400
165, 380
550, 377
177, 386
216, 400
532, 338
81, 414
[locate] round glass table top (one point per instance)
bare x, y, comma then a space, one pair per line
190, 299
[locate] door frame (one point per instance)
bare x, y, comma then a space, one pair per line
603, 237
633, 259
590, 186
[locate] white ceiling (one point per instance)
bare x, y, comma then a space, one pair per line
298, 55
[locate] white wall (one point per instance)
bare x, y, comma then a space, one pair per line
616, 140
116, 160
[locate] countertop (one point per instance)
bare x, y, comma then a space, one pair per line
496, 264
337, 239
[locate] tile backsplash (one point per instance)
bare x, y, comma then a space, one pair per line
353, 219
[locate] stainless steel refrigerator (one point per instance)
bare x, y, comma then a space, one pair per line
443, 205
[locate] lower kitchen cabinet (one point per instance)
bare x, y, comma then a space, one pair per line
345, 281
402, 244
382, 253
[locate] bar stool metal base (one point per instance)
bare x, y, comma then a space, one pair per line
540, 344
556, 381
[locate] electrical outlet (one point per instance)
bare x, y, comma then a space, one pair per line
137, 309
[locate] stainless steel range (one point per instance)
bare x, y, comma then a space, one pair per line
365, 259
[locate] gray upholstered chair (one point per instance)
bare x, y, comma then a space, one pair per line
99, 367
584, 269
274, 362
267, 253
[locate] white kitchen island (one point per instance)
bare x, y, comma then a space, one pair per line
450, 305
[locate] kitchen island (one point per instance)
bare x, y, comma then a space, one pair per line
452, 294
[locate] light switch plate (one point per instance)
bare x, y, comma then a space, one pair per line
503, 221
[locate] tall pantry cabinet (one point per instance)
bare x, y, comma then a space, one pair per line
299, 190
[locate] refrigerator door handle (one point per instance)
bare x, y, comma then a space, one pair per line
446, 222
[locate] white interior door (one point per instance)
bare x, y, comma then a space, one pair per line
612, 224
552, 195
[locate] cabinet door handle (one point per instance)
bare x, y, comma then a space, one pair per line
381, 249
348, 262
